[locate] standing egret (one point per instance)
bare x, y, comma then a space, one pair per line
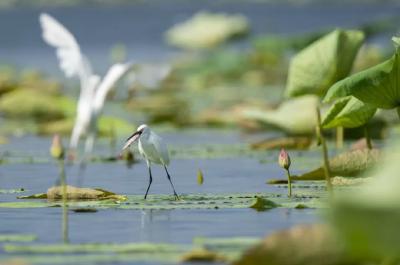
153, 149
93, 90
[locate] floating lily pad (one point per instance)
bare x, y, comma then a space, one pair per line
221, 249
12, 191
192, 201
262, 204
17, 237
75, 193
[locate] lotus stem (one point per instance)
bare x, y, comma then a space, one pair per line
289, 183
64, 202
367, 137
324, 153
339, 137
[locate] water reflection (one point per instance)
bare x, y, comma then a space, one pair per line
156, 225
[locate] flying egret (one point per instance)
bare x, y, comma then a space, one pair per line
153, 149
93, 90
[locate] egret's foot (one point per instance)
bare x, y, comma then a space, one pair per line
177, 197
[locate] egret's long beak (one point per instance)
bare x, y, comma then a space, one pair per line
132, 139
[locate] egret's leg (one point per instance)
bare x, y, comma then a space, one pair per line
170, 181
150, 181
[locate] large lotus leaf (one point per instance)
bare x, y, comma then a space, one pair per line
327, 60
396, 41
378, 85
294, 116
369, 218
348, 112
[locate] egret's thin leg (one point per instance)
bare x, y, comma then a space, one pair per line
150, 181
170, 181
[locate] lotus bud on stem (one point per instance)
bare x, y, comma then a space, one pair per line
324, 153
284, 162
57, 151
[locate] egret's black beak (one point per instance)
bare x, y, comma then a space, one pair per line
132, 139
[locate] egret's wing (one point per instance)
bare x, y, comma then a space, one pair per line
84, 112
72, 62
160, 148
113, 75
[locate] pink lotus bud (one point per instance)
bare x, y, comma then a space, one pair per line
284, 159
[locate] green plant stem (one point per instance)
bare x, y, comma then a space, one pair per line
289, 183
64, 202
339, 137
398, 111
367, 137
324, 153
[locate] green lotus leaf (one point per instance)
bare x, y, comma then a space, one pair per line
294, 116
396, 41
348, 112
329, 59
378, 85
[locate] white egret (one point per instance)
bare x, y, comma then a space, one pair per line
153, 149
93, 90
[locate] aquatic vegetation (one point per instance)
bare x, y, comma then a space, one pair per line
284, 162
368, 219
206, 30
287, 116
329, 59
307, 244
296, 142
202, 249
377, 86
200, 177
17, 237
348, 112
348, 164
41, 107
264, 201
262, 204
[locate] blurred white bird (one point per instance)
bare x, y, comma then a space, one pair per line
93, 90
153, 149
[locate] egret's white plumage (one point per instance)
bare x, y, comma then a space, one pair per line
152, 148
93, 89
